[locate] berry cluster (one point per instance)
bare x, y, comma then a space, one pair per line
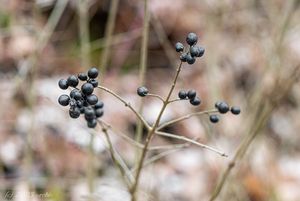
191, 95
193, 51
223, 108
82, 101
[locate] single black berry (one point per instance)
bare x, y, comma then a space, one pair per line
73, 81
191, 38
223, 107
217, 104
93, 82
63, 84
93, 73
79, 103
200, 52
92, 123
183, 57
182, 94
89, 114
189, 59
191, 94
194, 51
214, 118
235, 110
179, 47
74, 112
64, 100
87, 88
92, 99
99, 112
99, 105
73, 92
82, 76
196, 101
142, 91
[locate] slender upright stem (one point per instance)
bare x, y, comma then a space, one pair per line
109, 29
142, 71
150, 135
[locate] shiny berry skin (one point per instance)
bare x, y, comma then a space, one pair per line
93, 73
179, 47
64, 100
99, 113
92, 99
72, 93
217, 104
92, 123
63, 84
89, 114
99, 105
191, 94
201, 52
214, 118
189, 59
94, 82
142, 91
235, 110
82, 76
182, 94
183, 57
194, 51
73, 81
196, 101
223, 107
191, 39
74, 112
87, 88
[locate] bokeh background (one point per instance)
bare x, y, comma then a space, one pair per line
251, 60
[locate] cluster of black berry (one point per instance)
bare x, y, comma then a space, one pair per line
193, 51
191, 95
223, 108
82, 101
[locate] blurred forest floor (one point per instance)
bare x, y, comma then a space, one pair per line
250, 45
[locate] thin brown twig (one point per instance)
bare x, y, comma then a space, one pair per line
180, 137
127, 104
185, 117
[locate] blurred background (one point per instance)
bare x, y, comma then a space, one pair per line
251, 60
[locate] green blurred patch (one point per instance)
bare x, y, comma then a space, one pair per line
4, 19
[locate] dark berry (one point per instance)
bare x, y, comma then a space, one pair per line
72, 102
82, 76
92, 123
99, 113
93, 73
87, 88
99, 105
73, 81
235, 110
191, 38
73, 92
179, 47
196, 101
64, 100
93, 82
79, 104
183, 57
190, 59
200, 52
63, 84
213, 118
89, 113
217, 104
182, 94
74, 112
194, 51
223, 107
142, 91
191, 94
92, 99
